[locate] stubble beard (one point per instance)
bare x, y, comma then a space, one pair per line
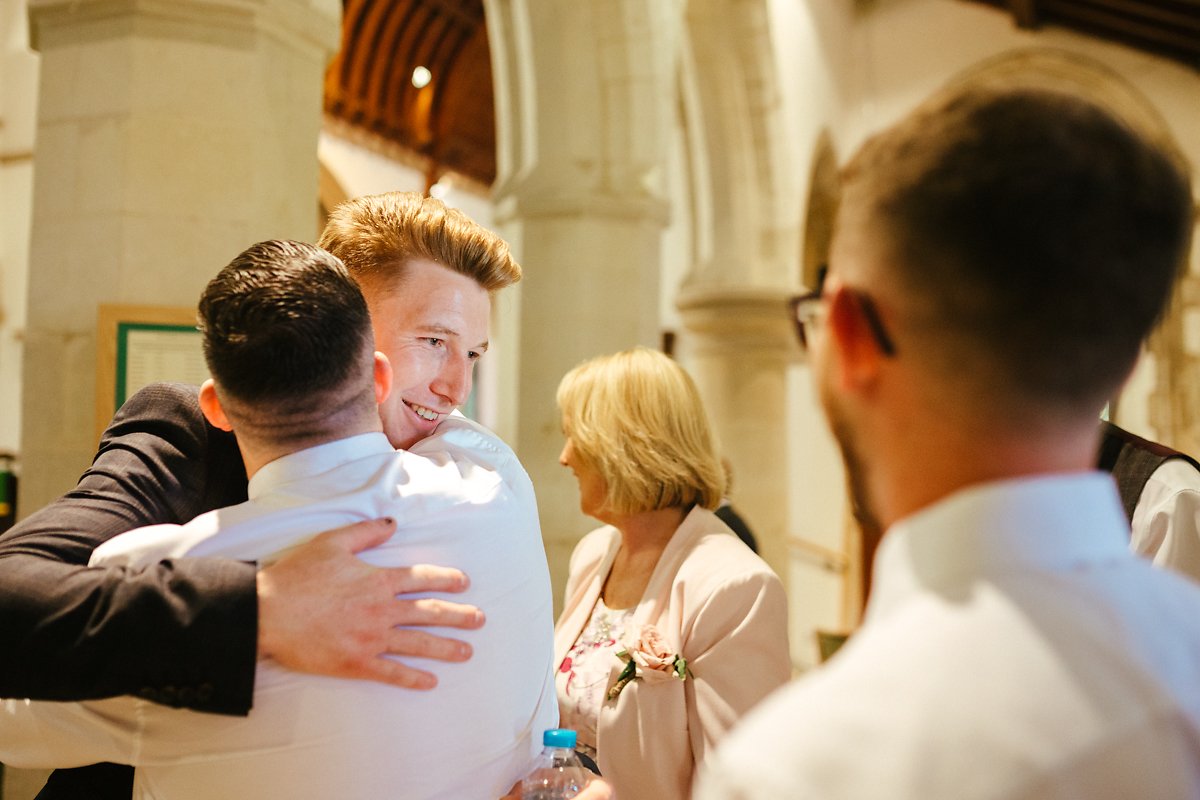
855, 463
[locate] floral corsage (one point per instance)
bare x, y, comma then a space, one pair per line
647, 658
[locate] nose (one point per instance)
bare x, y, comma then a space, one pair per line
453, 382
562, 456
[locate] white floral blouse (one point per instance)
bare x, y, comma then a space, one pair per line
582, 678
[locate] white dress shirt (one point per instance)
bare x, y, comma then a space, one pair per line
1166, 519
461, 499
1013, 647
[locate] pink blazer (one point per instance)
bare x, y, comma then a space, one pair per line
718, 605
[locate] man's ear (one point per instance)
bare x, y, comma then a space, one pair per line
851, 342
383, 377
210, 404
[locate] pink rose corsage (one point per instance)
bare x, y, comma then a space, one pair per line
648, 658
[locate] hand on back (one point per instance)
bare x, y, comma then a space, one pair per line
323, 610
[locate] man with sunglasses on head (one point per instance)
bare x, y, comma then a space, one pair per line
998, 258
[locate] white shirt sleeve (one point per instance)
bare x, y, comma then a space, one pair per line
139, 547
46, 734
1166, 520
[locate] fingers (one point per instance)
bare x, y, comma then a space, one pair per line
361, 535
425, 578
414, 644
432, 611
324, 610
598, 789
421, 644
396, 674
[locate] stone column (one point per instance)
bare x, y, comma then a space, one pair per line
590, 287
740, 346
170, 136
18, 108
583, 104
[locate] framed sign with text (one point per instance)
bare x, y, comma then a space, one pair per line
139, 345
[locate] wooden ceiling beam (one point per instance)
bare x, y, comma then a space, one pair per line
1025, 13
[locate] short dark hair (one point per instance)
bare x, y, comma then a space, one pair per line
285, 329
1043, 232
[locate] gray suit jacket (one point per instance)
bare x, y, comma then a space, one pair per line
180, 633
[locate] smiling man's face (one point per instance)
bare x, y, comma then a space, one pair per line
432, 324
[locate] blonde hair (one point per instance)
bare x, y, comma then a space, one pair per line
377, 235
637, 419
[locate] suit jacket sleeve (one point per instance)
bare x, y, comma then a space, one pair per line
738, 652
181, 633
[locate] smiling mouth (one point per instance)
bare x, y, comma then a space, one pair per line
423, 412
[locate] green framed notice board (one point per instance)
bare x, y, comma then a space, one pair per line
139, 345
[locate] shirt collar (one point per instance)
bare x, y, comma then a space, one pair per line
313, 461
1045, 523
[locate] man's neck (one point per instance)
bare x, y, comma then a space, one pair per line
947, 459
257, 453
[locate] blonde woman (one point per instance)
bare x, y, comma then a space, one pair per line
672, 627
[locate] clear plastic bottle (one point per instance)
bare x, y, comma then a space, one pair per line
559, 774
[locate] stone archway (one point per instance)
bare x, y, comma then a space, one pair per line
737, 340
824, 193
330, 193
845, 553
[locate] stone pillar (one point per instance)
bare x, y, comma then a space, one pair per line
18, 109
740, 346
584, 93
170, 136
590, 287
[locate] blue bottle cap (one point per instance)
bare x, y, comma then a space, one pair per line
559, 737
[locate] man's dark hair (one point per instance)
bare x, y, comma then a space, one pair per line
286, 330
1044, 233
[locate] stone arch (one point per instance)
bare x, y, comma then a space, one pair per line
744, 231
730, 95
330, 193
584, 102
1173, 405
824, 193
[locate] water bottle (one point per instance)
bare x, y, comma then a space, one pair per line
559, 773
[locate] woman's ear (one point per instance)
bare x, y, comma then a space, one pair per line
210, 404
383, 377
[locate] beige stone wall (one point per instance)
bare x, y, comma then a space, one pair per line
169, 137
18, 110
22, 784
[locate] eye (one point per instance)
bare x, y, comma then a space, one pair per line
433, 341
473, 355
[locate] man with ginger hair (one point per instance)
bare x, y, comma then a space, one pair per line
296, 377
187, 632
